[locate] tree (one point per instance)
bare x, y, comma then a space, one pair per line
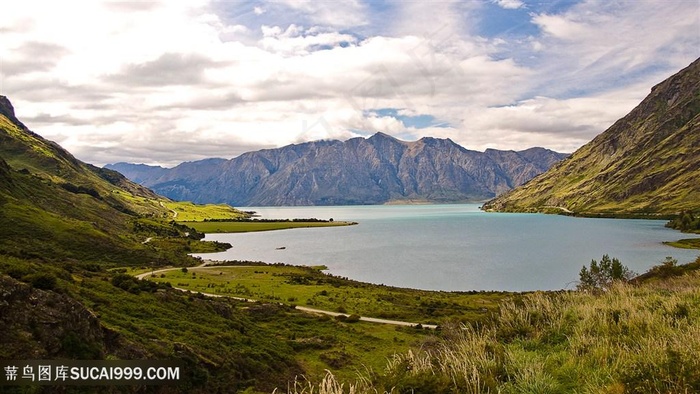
600, 276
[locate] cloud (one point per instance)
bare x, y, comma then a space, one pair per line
509, 4
296, 40
340, 14
32, 56
165, 82
168, 69
600, 42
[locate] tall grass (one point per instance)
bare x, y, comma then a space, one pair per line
630, 339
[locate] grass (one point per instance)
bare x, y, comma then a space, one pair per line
306, 286
248, 226
322, 343
689, 243
631, 339
317, 343
189, 212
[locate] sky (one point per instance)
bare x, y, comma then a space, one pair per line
162, 82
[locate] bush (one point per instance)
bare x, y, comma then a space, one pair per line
601, 276
686, 222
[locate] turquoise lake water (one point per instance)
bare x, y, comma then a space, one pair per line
455, 247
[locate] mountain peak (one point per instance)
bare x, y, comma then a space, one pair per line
381, 135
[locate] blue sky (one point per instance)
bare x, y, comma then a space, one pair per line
161, 82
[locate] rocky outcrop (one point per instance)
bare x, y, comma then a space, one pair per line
42, 324
373, 170
8, 111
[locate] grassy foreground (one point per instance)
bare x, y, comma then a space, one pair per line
630, 339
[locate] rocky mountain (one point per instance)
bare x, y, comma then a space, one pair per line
374, 170
646, 162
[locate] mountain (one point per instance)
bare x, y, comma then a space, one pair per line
373, 170
648, 162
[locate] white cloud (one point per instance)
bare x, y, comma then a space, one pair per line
597, 42
165, 82
296, 40
509, 4
340, 14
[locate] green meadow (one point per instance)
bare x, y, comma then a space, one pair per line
310, 287
185, 211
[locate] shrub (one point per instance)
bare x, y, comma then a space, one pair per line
686, 222
600, 276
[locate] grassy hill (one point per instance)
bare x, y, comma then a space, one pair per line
648, 162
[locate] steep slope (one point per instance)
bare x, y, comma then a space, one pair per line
375, 170
647, 162
54, 204
29, 153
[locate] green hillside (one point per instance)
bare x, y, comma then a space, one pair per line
65, 226
648, 162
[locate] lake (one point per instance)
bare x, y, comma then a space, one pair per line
454, 247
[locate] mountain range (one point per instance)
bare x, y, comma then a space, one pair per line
375, 170
648, 162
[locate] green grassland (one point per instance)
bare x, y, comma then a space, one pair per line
358, 346
688, 243
246, 336
189, 212
307, 286
248, 226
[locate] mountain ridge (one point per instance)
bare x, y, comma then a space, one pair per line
647, 162
375, 170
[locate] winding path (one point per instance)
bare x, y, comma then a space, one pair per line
204, 265
171, 210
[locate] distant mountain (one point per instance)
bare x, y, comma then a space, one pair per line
375, 170
647, 162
